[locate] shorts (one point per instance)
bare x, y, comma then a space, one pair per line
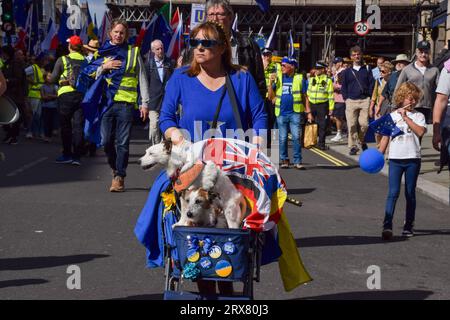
339, 110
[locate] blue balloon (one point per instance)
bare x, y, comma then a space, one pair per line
371, 161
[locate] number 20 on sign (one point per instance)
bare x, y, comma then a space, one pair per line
361, 28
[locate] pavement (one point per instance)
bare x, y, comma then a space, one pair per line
434, 185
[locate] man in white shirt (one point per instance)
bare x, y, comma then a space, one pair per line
159, 69
441, 116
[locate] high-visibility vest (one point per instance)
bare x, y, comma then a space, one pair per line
127, 91
271, 68
67, 65
296, 94
34, 90
320, 90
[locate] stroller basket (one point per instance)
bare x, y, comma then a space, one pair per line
215, 254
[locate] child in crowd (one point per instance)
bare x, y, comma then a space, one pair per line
49, 106
404, 156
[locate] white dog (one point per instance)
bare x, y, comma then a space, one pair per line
178, 161
200, 208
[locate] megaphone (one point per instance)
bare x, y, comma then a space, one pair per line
9, 113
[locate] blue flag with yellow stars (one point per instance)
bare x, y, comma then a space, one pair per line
386, 126
100, 92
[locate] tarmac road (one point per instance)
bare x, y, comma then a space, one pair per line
54, 216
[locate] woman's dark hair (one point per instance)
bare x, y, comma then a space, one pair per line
78, 48
213, 31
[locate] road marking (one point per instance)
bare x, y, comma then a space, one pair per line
329, 157
26, 167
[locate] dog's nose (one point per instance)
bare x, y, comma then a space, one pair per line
189, 214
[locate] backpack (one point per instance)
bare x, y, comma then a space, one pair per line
74, 68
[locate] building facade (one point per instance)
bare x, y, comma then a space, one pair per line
403, 23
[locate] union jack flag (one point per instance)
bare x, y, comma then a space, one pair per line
252, 173
236, 156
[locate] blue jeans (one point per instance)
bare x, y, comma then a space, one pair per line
115, 131
411, 169
293, 121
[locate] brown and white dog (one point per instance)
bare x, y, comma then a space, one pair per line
178, 160
201, 208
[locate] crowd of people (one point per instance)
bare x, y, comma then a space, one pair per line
224, 78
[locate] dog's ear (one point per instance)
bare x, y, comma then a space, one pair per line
167, 145
213, 195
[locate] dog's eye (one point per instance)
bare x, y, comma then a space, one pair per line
198, 201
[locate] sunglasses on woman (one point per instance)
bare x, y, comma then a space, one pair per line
206, 43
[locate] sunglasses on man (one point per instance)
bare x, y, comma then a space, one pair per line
206, 43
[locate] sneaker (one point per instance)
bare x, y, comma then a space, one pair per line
299, 166
64, 159
338, 137
29, 135
117, 184
323, 147
364, 146
386, 234
7, 139
284, 164
408, 233
13, 141
76, 162
353, 151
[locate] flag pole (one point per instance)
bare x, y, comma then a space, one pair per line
30, 27
269, 41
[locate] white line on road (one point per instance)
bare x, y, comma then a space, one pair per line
26, 167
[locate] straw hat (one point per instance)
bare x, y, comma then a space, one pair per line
401, 58
93, 45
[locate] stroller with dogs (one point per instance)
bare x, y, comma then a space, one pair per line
225, 255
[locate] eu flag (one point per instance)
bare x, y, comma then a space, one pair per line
100, 92
386, 126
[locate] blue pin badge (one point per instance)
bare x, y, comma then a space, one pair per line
229, 247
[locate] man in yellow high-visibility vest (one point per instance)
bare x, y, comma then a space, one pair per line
117, 121
320, 99
289, 107
270, 67
70, 112
35, 77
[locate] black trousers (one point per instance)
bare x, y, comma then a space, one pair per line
71, 120
48, 114
271, 119
320, 113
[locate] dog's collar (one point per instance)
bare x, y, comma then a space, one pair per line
185, 180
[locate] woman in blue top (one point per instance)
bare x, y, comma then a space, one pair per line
197, 88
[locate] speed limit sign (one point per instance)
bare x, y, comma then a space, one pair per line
361, 28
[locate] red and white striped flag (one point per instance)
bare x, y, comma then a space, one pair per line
174, 49
51, 39
141, 35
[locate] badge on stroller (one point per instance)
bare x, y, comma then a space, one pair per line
229, 247
205, 263
193, 255
215, 252
223, 268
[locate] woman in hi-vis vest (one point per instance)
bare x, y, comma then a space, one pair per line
117, 120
